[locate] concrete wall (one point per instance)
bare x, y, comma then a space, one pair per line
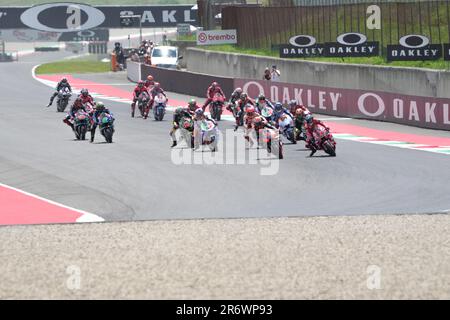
408, 81
133, 71
182, 46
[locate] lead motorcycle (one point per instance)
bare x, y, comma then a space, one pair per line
81, 124
159, 107
323, 140
216, 106
106, 126
142, 103
63, 99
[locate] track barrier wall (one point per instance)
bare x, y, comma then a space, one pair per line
372, 104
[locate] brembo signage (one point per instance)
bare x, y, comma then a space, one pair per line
424, 112
68, 17
351, 44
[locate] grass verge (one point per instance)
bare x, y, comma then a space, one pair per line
74, 66
379, 61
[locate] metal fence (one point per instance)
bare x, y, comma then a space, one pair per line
264, 27
288, 3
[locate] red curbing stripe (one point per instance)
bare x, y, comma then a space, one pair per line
20, 207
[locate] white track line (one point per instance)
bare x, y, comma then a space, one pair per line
85, 216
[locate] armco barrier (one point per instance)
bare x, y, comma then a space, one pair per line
411, 110
194, 84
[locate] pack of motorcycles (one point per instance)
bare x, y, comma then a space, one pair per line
83, 121
267, 137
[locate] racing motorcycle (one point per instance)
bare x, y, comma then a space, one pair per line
323, 140
81, 124
267, 113
286, 126
237, 114
142, 103
159, 107
208, 134
63, 99
272, 140
216, 106
187, 129
106, 126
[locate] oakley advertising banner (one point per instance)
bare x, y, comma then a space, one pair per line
70, 17
447, 51
414, 47
426, 112
27, 35
350, 44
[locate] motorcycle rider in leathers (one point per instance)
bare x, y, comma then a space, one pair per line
99, 109
153, 93
311, 138
76, 106
61, 85
138, 90
242, 103
177, 115
212, 90
250, 114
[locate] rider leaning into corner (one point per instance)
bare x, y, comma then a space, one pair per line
76, 106
156, 89
177, 116
212, 90
99, 109
311, 138
64, 83
200, 117
140, 88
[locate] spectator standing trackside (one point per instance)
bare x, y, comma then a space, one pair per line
275, 74
267, 76
135, 56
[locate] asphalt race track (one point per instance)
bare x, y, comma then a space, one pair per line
135, 178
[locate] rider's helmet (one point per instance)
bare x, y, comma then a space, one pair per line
150, 78
84, 92
157, 85
278, 106
214, 84
99, 106
78, 101
199, 113
192, 104
238, 91
261, 97
244, 96
64, 80
299, 112
141, 84
250, 110
293, 103
178, 110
